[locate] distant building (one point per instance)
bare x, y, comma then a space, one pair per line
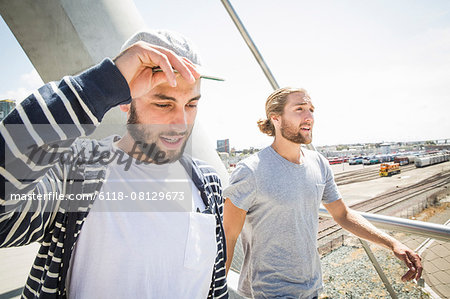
223, 146
385, 148
437, 147
5, 107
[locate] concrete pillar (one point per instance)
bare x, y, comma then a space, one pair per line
64, 37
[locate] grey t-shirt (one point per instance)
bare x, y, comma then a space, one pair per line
279, 236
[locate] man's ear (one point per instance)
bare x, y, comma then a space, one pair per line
125, 108
275, 118
276, 121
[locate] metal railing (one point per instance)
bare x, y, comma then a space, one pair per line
430, 230
426, 229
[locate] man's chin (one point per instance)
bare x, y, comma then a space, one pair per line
171, 155
157, 154
308, 140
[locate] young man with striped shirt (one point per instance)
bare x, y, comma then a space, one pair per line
129, 216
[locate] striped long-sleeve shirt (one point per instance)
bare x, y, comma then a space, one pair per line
42, 154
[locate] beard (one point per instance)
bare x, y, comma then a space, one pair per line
146, 139
294, 134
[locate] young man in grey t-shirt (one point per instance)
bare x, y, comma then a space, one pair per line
276, 193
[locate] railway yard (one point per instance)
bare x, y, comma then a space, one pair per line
364, 190
410, 194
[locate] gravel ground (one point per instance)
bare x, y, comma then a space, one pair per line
348, 273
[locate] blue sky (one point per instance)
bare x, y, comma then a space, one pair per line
376, 70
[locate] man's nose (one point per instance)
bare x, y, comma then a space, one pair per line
309, 116
179, 121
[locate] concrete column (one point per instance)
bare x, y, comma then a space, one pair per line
62, 37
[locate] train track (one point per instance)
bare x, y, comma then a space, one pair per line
366, 174
328, 227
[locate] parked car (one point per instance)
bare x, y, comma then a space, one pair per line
355, 161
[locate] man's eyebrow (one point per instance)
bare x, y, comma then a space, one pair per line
168, 98
164, 97
195, 98
304, 103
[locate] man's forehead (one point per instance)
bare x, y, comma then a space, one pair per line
182, 91
299, 98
